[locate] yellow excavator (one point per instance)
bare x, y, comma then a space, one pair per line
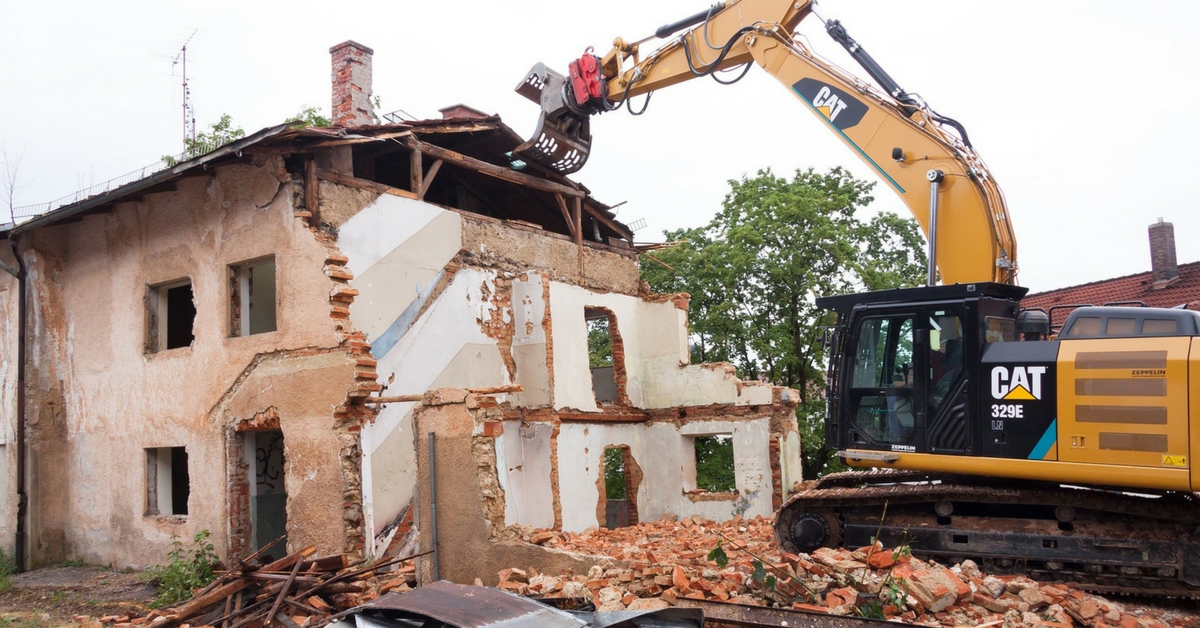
1064, 454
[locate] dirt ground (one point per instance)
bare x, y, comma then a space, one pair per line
53, 596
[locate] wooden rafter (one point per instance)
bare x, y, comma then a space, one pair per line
428, 179
492, 170
363, 184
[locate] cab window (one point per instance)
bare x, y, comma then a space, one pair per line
883, 365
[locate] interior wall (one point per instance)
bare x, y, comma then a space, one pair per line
654, 335
664, 451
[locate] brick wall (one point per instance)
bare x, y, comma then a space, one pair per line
351, 84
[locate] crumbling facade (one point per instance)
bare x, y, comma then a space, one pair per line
243, 344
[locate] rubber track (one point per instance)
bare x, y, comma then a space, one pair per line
864, 489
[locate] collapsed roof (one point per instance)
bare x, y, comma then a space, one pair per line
465, 164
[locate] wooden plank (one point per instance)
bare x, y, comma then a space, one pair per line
600, 417
363, 184
312, 203
414, 171
657, 261
566, 214
433, 170
578, 216
285, 620
492, 170
284, 590
620, 229
201, 602
491, 390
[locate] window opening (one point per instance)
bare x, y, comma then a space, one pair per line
714, 463
168, 485
172, 314
945, 355
1000, 329
614, 473
1158, 326
252, 298
1120, 327
618, 487
600, 354
883, 365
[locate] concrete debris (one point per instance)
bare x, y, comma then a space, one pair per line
652, 565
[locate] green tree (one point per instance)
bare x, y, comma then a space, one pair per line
714, 463
599, 343
219, 133
309, 116
755, 271
614, 473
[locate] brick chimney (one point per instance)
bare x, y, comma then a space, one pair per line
1162, 253
351, 84
460, 111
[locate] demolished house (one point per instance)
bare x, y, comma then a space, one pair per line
280, 337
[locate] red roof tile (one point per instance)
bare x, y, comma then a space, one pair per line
1183, 290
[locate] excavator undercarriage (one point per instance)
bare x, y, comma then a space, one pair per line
1105, 541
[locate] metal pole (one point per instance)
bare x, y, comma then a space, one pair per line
935, 179
433, 506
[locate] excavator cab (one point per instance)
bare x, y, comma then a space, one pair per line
899, 379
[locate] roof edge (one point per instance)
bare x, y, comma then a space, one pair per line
113, 196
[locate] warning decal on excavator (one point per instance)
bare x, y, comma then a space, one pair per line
840, 108
1174, 461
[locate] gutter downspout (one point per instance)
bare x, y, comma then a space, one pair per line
22, 319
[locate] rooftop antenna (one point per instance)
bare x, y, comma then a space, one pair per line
189, 114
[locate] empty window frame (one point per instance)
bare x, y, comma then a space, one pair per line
600, 354
171, 315
714, 463
167, 483
252, 297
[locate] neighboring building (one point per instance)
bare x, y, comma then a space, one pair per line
1167, 284
208, 345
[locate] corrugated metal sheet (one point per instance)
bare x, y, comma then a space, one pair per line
462, 606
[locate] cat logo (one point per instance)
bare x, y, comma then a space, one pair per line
1022, 383
827, 103
840, 108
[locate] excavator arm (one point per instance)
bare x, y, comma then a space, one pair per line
925, 158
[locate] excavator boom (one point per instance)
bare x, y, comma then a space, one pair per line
923, 157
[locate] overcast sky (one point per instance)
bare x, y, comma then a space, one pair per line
1086, 112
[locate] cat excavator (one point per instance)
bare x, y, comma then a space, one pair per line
1061, 453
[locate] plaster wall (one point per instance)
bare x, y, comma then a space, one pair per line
516, 248
529, 346
473, 546
9, 287
445, 345
654, 335
664, 452
791, 470
523, 460
99, 399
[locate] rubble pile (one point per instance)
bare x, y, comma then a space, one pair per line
653, 565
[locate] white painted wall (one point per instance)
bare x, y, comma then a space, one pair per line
523, 459
422, 357
398, 249
664, 452
656, 355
